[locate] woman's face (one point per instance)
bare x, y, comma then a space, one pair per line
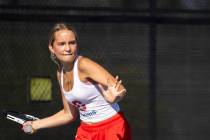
64, 46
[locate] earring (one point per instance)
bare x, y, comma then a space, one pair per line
52, 55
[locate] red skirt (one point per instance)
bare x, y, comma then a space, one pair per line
114, 128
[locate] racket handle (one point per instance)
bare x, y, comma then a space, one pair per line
28, 129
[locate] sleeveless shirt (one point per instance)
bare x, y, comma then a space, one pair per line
88, 99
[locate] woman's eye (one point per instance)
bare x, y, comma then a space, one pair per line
61, 44
72, 42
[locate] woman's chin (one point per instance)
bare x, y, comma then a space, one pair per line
68, 60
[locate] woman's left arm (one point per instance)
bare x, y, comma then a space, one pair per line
111, 88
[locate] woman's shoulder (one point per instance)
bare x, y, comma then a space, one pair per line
84, 62
82, 58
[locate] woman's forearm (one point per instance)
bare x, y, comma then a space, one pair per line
58, 119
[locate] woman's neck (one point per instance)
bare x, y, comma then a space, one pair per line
68, 67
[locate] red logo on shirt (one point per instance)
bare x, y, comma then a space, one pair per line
79, 105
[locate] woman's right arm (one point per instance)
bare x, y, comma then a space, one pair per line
64, 116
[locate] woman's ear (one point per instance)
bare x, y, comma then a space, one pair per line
51, 49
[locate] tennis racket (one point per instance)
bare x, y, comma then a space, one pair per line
19, 118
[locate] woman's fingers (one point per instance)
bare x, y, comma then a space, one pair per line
114, 90
116, 84
123, 91
28, 128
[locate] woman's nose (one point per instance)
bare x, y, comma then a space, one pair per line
67, 47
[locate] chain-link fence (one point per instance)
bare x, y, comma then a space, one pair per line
168, 102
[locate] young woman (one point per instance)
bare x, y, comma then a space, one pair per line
85, 86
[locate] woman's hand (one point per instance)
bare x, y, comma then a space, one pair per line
28, 127
112, 93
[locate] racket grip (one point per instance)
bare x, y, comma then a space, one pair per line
28, 129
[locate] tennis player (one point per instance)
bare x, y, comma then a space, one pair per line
87, 89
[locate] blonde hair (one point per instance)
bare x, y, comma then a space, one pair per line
56, 28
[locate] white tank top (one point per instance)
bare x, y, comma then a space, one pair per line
88, 99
